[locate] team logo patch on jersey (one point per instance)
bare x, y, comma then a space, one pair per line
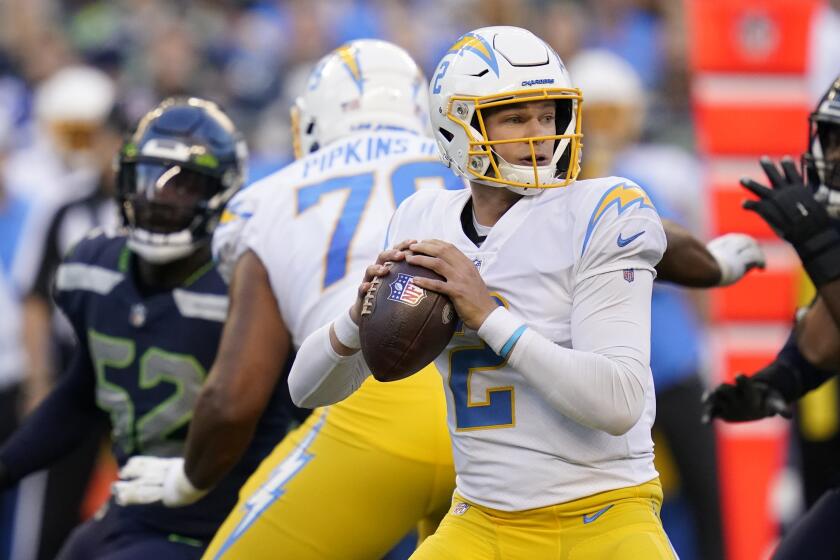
404, 290
460, 508
137, 315
629, 275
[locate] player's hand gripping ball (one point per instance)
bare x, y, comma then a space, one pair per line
404, 327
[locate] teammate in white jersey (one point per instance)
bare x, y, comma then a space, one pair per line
354, 478
549, 393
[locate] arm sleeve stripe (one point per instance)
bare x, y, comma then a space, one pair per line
511, 342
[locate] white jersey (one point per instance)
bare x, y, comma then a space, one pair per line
513, 450
318, 223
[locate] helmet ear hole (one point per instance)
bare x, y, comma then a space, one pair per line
446, 134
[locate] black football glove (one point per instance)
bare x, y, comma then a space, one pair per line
748, 399
792, 211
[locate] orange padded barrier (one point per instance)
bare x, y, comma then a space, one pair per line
766, 296
748, 466
728, 216
768, 36
739, 128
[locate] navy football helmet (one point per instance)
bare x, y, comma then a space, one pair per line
821, 163
175, 174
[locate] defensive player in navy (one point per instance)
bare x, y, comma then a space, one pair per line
147, 306
805, 212
549, 392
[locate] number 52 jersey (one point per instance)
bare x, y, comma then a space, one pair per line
145, 358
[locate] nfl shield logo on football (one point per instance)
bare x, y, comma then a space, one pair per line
137, 315
629, 275
405, 291
460, 508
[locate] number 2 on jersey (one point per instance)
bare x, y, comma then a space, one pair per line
358, 188
496, 410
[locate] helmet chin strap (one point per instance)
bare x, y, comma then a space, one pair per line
160, 248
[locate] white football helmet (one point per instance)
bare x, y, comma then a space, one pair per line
492, 67
70, 106
366, 84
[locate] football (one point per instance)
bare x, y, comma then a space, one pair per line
404, 327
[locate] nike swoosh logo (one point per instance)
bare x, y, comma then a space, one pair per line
597, 514
622, 242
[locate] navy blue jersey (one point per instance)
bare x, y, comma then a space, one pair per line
149, 357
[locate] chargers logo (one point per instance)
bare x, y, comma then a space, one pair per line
350, 58
403, 290
622, 197
478, 46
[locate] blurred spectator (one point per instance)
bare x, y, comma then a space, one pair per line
22, 350
68, 170
70, 107
613, 117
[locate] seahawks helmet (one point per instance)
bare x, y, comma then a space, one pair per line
821, 163
174, 176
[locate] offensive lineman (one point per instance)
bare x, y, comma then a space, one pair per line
297, 243
548, 387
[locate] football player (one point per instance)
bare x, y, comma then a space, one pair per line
382, 459
548, 388
808, 219
147, 306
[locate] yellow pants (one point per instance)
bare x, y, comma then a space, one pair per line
616, 525
350, 482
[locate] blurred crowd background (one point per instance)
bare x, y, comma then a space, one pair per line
76, 75
252, 56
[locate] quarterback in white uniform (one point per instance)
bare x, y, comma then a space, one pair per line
548, 386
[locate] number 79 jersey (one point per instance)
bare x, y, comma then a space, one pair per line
513, 451
318, 223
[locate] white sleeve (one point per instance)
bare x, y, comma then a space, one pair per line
229, 236
320, 376
623, 232
602, 381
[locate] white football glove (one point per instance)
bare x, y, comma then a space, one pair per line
736, 254
144, 480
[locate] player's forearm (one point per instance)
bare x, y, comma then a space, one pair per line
830, 296
603, 382
794, 373
216, 441
687, 261
602, 393
320, 376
